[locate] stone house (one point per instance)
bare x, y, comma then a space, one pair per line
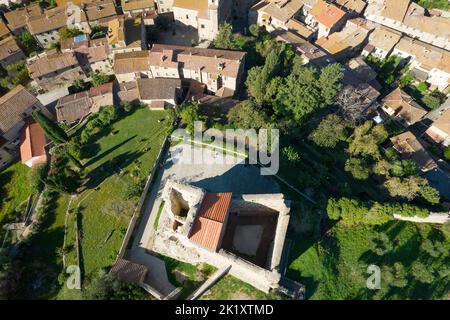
217, 69
203, 15
130, 66
426, 62
160, 93
402, 107
17, 19
16, 107
32, 147
381, 42
93, 55
72, 108
126, 35
245, 232
53, 69
439, 132
10, 52
410, 18
326, 18
410, 147
133, 8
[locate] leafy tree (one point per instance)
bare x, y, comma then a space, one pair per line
67, 33
291, 154
431, 101
78, 85
434, 249
407, 188
353, 212
444, 271
380, 243
36, 177
189, 114
97, 79
51, 129
10, 273
247, 115
447, 153
446, 230
404, 168
61, 177
358, 168
382, 167
28, 43
225, 38
329, 132
395, 276
430, 194
106, 287
330, 82
421, 272
254, 30
365, 141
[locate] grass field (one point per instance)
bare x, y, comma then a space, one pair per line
43, 259
334, 266
128, 149
14, 189
231, 288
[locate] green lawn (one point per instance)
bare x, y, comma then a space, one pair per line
14, 189
43, 259
334, 266
231, 288
431, 4
131, 146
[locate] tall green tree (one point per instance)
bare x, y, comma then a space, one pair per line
247, 115
225, 38
329, 132
51, 129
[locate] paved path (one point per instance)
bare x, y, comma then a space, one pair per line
440, 218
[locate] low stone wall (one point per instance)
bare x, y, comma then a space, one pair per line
138, 211
440, 218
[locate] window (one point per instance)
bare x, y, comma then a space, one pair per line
187, 16
202, 26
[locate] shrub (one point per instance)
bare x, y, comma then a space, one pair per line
380, 244
36, 177
421, 272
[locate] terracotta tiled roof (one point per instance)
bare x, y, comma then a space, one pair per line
425, 53
352, 5
8, 47
12, 105
283, 10
158, 89
75, 106
410, 147
206, 60
210, 219
404, 106
137, 4
100, 9
129, 271
52, 19
384, 38
197, 5
3, 29
129, 62
51, 62
443, 122
33, 141
326, 13
395, 9
299, 28
18, 18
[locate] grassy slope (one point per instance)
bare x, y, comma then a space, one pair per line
335, 267
231, 288
106, 212
42, 256
14, 189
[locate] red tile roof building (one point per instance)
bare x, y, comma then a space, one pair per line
211, 219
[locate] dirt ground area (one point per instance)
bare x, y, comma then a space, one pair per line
265, 220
